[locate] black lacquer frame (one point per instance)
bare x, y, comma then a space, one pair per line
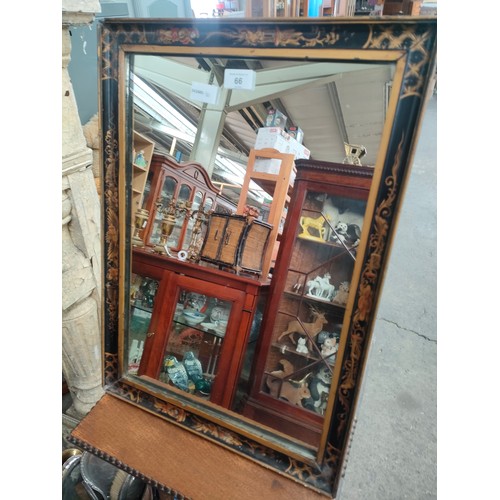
410, 42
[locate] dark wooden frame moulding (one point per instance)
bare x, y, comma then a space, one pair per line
410, 42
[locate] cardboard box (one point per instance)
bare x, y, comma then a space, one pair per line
275, 138
296, 133
276, 118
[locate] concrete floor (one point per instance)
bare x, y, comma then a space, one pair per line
394, 450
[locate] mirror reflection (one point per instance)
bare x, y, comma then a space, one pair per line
214, 170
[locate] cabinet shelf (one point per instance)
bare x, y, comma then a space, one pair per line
139, 172
143, 308
268, 184
200, 328
286, 350
308, 298
140, 167
319, 241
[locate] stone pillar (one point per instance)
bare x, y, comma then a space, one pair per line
93, 137
81, 255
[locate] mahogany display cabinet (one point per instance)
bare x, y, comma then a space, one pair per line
296, 361
180, 311
181, 183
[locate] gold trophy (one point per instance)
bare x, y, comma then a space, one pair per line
141, 219
170, 214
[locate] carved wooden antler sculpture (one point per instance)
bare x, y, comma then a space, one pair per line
311, 330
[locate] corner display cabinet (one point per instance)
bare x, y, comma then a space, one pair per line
296, 360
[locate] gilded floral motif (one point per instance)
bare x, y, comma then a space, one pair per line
278, 38
245, 36
404, 39
111, 228
172, 411
366, 293
217, 432
185, 36
327, 39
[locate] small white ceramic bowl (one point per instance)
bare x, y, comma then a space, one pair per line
193, 317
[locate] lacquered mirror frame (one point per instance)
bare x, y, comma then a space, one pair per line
410, 42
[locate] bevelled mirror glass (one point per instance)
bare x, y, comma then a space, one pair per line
326, 112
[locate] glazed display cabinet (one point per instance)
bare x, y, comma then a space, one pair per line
302, 328
192, 327
185, 188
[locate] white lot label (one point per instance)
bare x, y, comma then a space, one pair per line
204, 92
239, 79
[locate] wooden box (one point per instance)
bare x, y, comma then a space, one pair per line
253, 246
223, 238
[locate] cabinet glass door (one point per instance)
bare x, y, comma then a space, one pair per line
192, 354
167, 194
182, 213
147, 190
197, 200
142, 298
193, 350
308, 323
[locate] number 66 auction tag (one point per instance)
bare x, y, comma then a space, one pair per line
239, 79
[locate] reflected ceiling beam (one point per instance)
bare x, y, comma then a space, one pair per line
279, 82
298, 72
166, 130
210, 128
208, 137
246, 98
234, 156
337, 110
270, 83
171, 75
158, 108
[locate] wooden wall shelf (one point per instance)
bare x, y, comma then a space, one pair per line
274, 172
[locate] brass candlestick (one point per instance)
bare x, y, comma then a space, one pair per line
194, 249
